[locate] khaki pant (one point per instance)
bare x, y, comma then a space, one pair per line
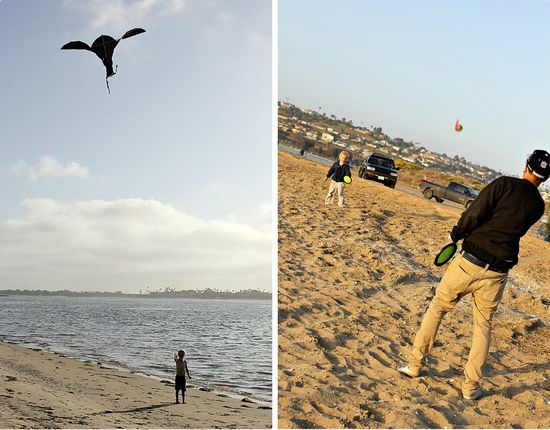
460, 279
336, 187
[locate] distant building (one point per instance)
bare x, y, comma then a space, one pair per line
326, 137
367, 132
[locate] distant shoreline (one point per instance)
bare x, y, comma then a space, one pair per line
171, 294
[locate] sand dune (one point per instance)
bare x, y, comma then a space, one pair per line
353, 286
45, 390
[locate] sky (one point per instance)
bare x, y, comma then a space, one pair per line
414, 68
164, 182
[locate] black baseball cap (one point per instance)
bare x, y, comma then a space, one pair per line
538, 164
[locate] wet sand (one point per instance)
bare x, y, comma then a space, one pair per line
353, 286
45, 390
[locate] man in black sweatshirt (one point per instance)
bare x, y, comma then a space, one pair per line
491, 228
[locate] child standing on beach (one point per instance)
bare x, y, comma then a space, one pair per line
181, 370
337, 172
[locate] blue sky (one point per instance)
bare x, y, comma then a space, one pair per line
164, 182
413, 68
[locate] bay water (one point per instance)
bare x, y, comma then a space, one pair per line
228, 343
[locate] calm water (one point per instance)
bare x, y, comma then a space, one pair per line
227, 342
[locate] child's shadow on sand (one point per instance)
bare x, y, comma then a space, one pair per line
141, 409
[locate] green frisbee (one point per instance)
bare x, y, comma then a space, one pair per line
446, 253
347, 179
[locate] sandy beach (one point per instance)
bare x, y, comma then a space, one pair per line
45, 390
354, 284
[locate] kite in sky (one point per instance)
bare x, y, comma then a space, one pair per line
104, 47
458, 126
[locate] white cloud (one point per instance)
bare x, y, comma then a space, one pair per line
49, 167
128, 245
124, 13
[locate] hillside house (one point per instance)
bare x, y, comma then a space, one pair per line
326, 137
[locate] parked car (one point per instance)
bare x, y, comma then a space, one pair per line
379, 167
454, 192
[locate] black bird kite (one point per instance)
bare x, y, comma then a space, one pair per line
104, 47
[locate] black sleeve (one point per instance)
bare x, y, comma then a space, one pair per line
347, 170
479, 211
331, 171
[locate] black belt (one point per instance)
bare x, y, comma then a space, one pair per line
473, 259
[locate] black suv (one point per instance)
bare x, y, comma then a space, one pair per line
380, 168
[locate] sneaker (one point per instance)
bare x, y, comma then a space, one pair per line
473, 395
409, 372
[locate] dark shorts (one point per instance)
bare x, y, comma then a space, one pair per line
180, 383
